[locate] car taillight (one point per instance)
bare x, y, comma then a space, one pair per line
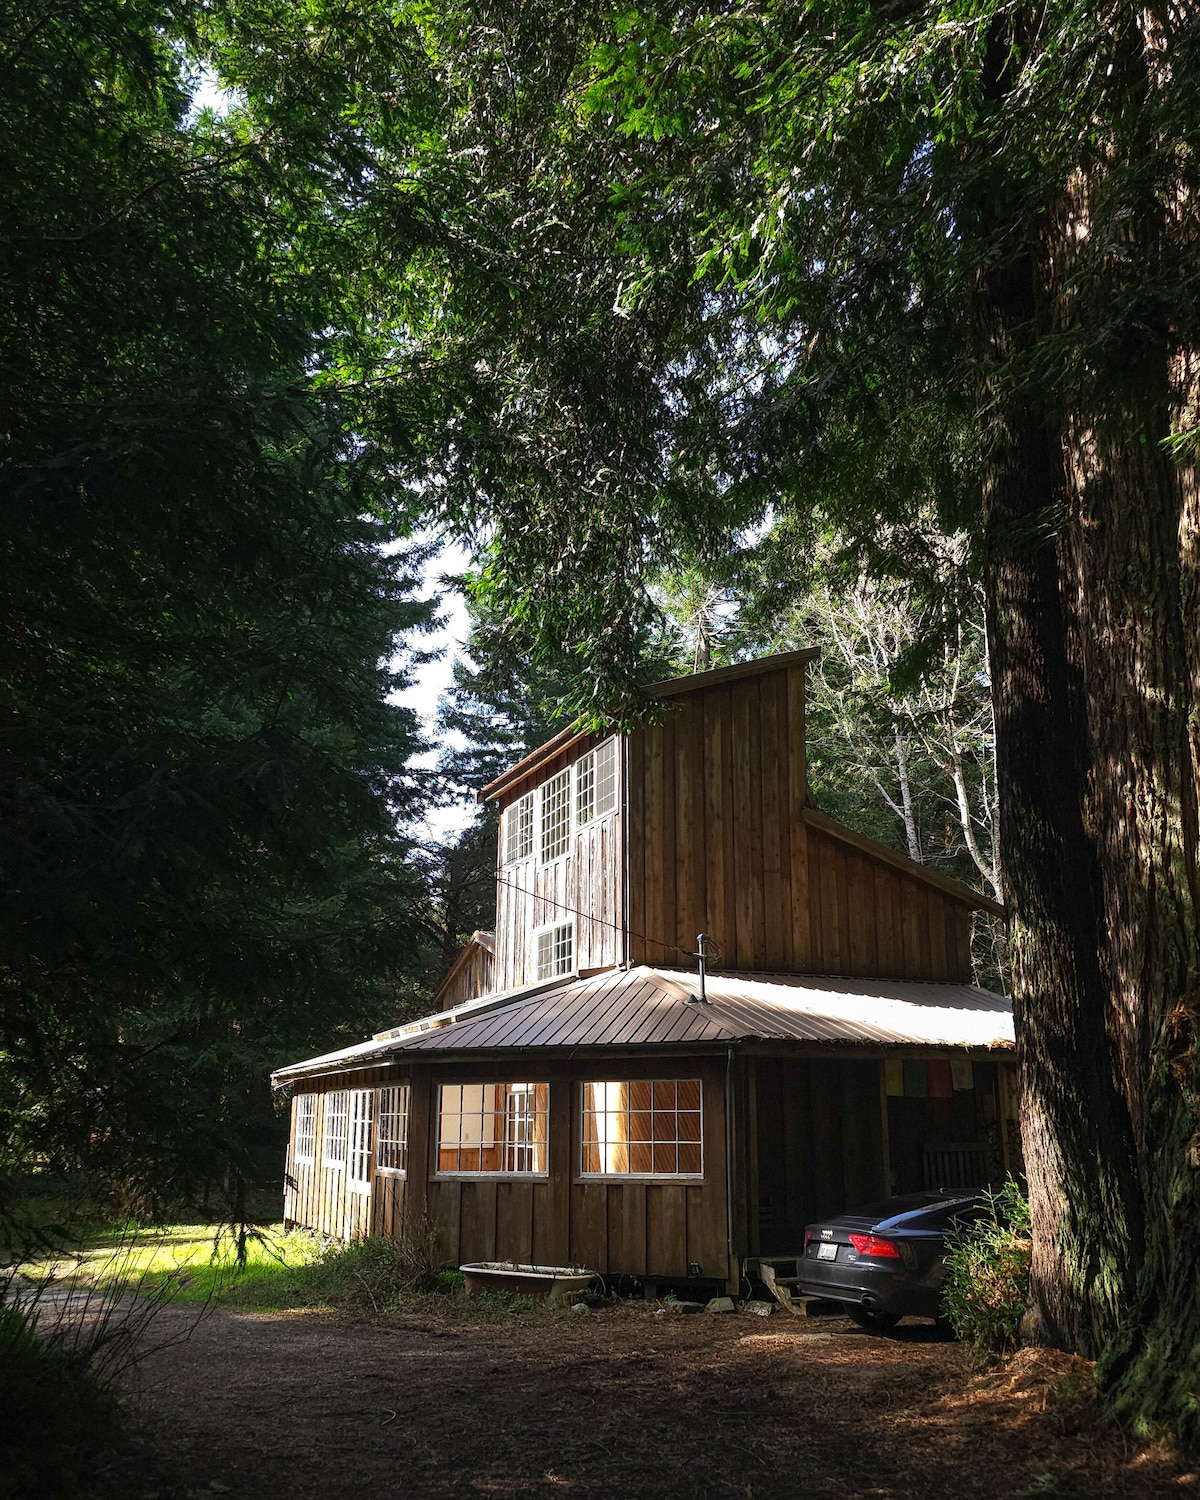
807, 1238
870, 1244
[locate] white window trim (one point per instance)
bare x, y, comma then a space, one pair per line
665, 1177
572, 968
592, 758
360, 1121
306, 1158
380, 1170
533, 1176
534, 800
514, 808
543, 791
336, 1164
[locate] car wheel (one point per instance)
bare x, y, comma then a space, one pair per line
874, 1319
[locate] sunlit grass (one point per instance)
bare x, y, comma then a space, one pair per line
200, 1260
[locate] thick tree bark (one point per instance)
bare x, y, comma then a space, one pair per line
1093, 587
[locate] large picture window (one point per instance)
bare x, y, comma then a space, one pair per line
492, 1127
333, 1149
642, 1129
306, 1128
391, 1130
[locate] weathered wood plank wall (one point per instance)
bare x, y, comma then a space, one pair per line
472, 975
820, 1148
585, 880
722, 841
635, 1227
318, 1196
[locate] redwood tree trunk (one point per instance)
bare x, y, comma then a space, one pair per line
1093, 582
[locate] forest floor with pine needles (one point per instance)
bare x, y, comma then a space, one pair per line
627, 1400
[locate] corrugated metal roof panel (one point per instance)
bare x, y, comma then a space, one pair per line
652, 1007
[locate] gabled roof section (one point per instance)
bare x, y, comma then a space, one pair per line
671, 687
958, 889
645, 1007
479, 942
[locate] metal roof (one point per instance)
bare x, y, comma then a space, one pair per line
645, 1007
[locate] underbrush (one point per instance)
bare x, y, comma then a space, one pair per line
63, 1351
987, 1275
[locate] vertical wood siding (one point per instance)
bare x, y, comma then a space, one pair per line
719, 844
635, 1228
318, 1197
819, 1145
472, 975
638, 1227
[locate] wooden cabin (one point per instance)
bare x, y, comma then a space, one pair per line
586, 1097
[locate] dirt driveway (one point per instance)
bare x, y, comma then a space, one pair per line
616, 1402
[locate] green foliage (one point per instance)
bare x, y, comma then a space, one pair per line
203, 874
987, 1275
65, 1348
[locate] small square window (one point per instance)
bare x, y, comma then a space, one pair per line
555, 951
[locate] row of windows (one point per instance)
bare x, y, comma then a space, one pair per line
636, 1128
543, 819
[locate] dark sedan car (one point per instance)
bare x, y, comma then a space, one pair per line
885, 1261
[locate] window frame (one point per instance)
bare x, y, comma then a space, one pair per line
328, 1136
551, 930
566, 779
360, 1139
528, 1088
400, 1143
306, 1113
582, 1175
515, 817
589, 765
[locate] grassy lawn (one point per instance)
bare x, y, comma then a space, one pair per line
197, 1263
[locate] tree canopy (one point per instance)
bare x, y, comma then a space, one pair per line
203, 869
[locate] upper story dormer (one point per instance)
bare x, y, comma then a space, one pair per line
620, 848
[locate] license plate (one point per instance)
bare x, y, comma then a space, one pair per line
826, 1252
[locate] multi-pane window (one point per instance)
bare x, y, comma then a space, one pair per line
306, 1127
642, 1128
358, 1176
333, 1150
596, 782
518, 830
556, 815
391, 1130
555, 950
492, 1127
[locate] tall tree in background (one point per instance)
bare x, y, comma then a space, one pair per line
202, 780
854, 260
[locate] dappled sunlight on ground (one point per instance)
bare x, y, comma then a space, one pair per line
451, 1399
